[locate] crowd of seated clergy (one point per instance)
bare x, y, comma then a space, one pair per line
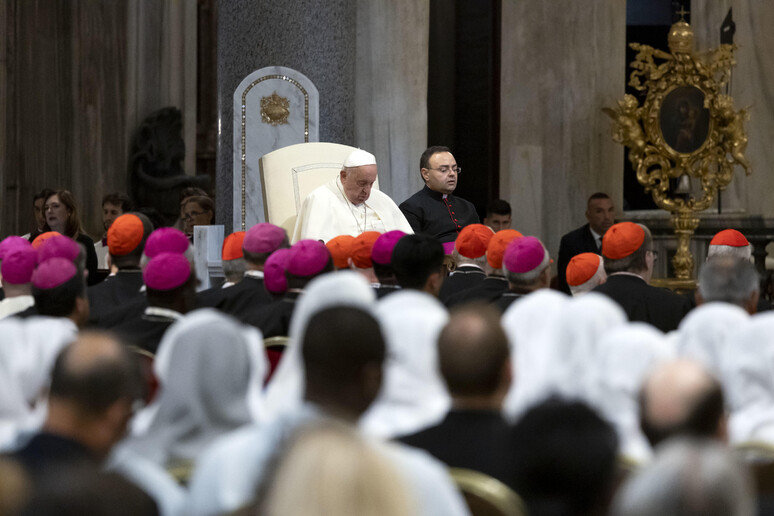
359, 372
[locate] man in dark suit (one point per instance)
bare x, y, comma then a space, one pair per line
470, 255
434, 210
628, 251
600, 214
474, 360
125, 241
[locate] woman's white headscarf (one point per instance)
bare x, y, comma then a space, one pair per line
559, 357
704, 332
285, 391
210, 370
28, 349
413, 394
748, 380
625, 356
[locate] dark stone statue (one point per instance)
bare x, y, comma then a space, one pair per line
156, 174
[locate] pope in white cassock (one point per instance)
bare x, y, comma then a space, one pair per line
347, 205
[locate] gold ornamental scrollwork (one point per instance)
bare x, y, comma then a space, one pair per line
685, 128
275, 110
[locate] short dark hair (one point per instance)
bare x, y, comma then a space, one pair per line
472, 361
93, 389
338, 343
597, 195
384, 273
701, 420
170, 298
564, 458
415, 258
635, 262
131, 260
60, 301
43, 194
498, 207
118, 199
424, 160
295, 281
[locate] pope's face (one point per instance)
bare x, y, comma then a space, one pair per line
440, 176
357, 182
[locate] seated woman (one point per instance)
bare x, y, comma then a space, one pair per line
61, 212
197, 211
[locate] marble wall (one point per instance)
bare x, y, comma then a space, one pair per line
315, 38
562, 61
391, 89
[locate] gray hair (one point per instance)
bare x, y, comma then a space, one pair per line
688, 478
461, 260
234, 269
729, 279
635, 262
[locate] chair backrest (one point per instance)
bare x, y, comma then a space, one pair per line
289, 174
759, 457
145, 358
485, 495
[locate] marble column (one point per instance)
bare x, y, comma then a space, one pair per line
751, 88
391, 89
315, 38
562, 61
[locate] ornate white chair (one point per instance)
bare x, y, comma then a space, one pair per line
289, 174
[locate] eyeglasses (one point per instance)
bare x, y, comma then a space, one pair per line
445, 169
193, 214
655, 254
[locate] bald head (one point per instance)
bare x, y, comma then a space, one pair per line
681, 398
94, 372
473, 354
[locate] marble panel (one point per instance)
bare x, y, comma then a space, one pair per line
316, 38
555, 78
208, 242
256, 135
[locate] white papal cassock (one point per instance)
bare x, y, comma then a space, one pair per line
326, 213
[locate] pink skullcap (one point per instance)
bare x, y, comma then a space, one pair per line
19, 264
42, 238
524, 254
12, 242
166, 240
166, 271
361, 249
58, 246
381, 253
53, 272
263, 238
307, 258
274, 271
448, 248
729, 237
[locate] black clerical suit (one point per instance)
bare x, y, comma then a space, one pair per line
472, 439
245, 297
486, 291
438, 215
46, 454
273, 319
658, 306
573, 243
465, 277
146, 331
115, 292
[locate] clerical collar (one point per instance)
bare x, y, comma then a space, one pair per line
436, 195
625, 273
254, 274
164, 313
